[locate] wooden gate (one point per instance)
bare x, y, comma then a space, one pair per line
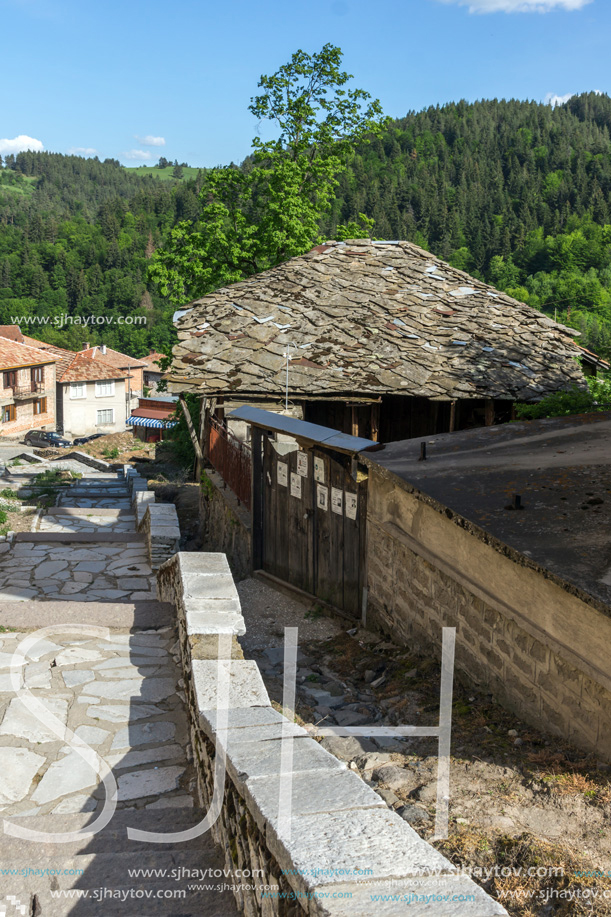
312, 522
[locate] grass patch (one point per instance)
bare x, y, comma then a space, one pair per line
564, 875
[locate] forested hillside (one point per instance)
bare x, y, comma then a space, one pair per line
75, 238
517, 193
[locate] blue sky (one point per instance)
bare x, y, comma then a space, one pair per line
118, 78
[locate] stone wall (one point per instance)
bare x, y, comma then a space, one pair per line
226, 524
537, 644
160, 527
341, 843
87, 459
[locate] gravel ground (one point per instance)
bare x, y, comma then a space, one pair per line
518, 798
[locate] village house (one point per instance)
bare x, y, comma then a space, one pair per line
27, 390
96, 388
92, 395
376, 339
153, 373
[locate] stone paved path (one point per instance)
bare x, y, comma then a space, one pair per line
123, 697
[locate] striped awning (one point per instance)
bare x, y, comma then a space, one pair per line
149, 422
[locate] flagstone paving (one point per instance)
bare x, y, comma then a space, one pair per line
122, 695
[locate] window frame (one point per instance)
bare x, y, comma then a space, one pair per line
105, 423
12, 413
81, 385
105, 382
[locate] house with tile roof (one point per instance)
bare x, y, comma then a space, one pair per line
27, 388
376, 339
91, 393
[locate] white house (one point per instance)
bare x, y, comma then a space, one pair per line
91, 396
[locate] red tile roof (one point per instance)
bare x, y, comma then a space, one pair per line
12, 332
153, 359
86, 366
14, 355
115, 358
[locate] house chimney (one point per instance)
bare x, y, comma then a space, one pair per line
85, 345
102, 349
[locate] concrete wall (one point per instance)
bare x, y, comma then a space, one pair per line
536, 643
341, 843
226, 524
79, 415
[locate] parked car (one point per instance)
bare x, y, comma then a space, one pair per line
86, 439
46, 439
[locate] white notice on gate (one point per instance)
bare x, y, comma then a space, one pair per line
319, 470
322, 497
302, 464
295, 485
337, 501
282, 474
351, 504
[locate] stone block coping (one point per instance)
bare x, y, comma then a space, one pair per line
338, 825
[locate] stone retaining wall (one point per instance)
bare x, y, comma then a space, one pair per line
342, 844
86, 459
537, 645
226, 524
161, 530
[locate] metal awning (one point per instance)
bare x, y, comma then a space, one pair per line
300, 429
149, 422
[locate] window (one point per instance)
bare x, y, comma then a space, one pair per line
8, 413
106, 417
78, 390
10, 379
103, 389
37, 374
40, 406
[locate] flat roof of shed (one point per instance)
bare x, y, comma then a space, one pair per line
561, 468
309, 432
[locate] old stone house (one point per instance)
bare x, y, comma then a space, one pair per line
376, 339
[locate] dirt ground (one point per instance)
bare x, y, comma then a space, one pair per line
519, 798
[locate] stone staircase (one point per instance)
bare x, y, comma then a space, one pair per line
86, 565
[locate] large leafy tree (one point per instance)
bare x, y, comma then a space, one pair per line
270, 209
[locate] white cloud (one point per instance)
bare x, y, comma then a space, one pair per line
22, 142
552, 99
137, 154
82, 151
149, 140
519, 6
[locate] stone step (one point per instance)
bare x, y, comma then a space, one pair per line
30, 615
100, 537
87, 511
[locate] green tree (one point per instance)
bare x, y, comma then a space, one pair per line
259, 215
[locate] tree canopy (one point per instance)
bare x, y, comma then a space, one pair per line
256, 216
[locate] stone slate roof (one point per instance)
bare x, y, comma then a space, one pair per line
370, 318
